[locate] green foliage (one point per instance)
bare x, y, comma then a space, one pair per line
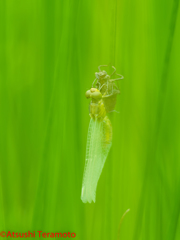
49, 52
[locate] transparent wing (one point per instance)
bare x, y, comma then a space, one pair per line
99, 141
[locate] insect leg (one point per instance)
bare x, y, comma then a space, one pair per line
107, 86
116, 79
118, 85
112, 87
102, 66
114, 71
94, 82
120, 76
102, 86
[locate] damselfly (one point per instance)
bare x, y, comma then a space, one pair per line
99, 139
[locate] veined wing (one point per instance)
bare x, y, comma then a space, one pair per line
99, 141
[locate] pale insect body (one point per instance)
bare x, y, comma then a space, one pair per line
99, 142
99, 139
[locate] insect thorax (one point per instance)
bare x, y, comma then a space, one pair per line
97, 110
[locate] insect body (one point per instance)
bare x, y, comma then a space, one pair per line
99, 139
99, 142
107, 86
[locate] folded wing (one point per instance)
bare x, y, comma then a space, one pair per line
99, 142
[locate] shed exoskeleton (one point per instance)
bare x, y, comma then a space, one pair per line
107, 87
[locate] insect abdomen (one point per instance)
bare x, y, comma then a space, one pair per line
107, 129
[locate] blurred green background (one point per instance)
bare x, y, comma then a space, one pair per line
49, 52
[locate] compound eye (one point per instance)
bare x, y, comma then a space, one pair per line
104, 72
88, 94
96, 95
